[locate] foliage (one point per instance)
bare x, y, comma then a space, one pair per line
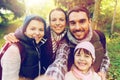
106, 14
114, 54
15, 6
10, 7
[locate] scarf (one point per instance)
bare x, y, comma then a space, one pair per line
75, 41
81, 76
56, 38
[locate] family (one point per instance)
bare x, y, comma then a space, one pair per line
67, 49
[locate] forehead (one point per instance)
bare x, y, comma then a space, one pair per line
77, 15
57, 13
35, 23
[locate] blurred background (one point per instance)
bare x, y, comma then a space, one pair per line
105, 15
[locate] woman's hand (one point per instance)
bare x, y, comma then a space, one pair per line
10, 38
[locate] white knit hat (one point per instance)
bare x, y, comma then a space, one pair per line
88, 46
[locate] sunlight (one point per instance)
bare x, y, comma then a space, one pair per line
41, 7
32, 3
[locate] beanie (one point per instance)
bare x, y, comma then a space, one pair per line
27, 20
88, 46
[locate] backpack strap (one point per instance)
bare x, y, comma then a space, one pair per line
4, 48
102, 38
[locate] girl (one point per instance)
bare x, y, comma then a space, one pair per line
84, 57
31, 37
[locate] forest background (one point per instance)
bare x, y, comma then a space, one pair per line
105, 15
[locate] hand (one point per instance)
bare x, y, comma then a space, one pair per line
43, 77
102, 74
10, 38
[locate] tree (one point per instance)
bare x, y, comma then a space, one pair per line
96, 13
14, 6
113, 20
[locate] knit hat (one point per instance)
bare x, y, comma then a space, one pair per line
29, 18
88, 46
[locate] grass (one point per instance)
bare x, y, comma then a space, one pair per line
114, 54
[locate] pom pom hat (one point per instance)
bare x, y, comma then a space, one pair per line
88, 46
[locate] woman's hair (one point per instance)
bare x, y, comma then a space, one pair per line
57, 9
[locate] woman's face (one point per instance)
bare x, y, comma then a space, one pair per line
35, 30
83, 61
57, 21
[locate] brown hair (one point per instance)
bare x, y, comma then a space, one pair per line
79, 8
58, 9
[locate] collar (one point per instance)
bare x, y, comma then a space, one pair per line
79, 75
75, 41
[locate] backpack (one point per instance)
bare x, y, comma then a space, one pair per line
4, 49
102, 39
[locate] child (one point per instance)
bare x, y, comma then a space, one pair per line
84, 57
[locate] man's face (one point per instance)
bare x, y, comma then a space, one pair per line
79, 24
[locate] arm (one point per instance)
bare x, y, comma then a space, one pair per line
59, 67
10, 38
104, 66
11, 63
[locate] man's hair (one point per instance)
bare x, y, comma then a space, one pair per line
79, 8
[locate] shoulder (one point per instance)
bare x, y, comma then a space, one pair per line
12, 53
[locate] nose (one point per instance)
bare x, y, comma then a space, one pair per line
77, 26
37, 32
57, 22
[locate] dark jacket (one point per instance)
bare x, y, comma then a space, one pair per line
31, 63
99, 52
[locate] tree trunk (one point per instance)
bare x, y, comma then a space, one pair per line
96, 14
113, 20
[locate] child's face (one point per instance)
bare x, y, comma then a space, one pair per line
35, 30
82, 61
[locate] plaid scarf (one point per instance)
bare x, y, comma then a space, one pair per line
56, 38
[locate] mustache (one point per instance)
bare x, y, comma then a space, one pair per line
81, 30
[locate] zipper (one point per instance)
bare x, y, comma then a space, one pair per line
39, 63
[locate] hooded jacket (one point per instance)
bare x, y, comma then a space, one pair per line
30, 66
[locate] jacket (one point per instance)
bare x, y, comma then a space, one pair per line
102, 59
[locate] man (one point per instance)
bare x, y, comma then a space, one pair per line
80, 30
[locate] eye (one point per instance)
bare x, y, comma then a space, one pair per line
32, 28
41, 29
86, 55
72, 23
61, 19
82, 21
53, 19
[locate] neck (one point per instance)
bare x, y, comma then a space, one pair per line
82, 75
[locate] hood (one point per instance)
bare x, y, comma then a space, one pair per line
20, 32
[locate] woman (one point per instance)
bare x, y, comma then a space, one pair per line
56, 34
31, 37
